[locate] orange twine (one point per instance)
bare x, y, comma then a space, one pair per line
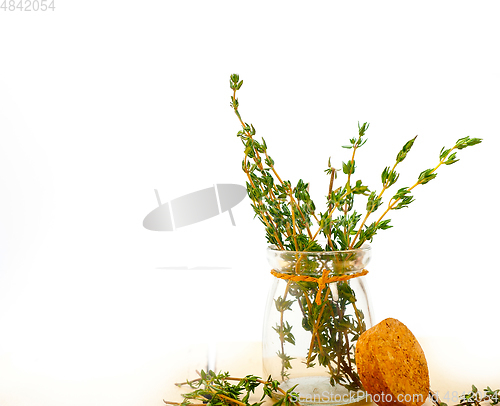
321, 281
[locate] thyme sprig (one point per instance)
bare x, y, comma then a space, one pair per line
213, 389
472, 398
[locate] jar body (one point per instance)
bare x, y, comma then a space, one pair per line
310, 328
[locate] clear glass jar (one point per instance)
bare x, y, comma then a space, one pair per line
309, 338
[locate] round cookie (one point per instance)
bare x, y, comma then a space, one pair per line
392, 365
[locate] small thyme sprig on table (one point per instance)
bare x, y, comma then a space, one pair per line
472, 398
213, 389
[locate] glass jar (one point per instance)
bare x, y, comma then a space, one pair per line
316, 310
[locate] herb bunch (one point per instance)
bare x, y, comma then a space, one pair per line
213, 389
288, 212
292, 223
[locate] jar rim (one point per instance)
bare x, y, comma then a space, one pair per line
366, 247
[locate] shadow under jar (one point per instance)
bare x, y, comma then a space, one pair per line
316, 310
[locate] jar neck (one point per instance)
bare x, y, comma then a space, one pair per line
314, 263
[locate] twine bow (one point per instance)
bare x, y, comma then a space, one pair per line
321, 281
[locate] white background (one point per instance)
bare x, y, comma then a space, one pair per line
101, 102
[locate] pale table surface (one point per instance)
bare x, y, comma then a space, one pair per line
453, 366
25, 380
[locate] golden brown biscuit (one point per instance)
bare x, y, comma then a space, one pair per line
392, 365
